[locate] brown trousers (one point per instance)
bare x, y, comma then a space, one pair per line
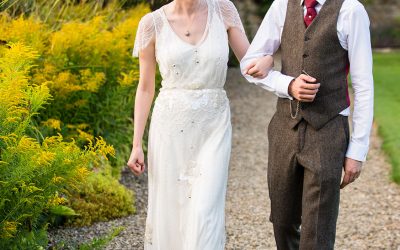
304, 174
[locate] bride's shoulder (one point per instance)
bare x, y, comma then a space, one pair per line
147, 19
225, 3
226, 7
150, 19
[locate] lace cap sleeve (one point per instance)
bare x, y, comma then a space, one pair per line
144, 34
230, 15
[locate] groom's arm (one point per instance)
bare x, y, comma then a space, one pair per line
360, 57
266, 42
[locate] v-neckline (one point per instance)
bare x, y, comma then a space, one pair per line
205, 32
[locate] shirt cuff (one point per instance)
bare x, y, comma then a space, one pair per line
282, 85
357, 152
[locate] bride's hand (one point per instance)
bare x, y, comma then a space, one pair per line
260, 67
136, 161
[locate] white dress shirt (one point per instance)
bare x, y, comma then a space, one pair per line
354, 36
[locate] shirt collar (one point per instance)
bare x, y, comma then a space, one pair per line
321, 2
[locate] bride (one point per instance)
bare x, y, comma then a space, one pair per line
190, 132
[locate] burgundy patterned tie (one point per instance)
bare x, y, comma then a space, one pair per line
311, 12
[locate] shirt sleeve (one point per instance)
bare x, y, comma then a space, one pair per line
360, 57
144, 34
230, 15
266, 42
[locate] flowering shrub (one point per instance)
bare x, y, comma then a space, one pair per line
100, 198
63, 88
36, 178
88, 69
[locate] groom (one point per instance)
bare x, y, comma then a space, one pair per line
321, 41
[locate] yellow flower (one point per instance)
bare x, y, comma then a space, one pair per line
82, 172
45, 158
9, 139
56, 200
15, 65
53, 123
83, 126
57, 179
51, 141
65, 83
92, 81
129, 79
67, 161
101, 147
25, 30
27, 144
9, 229
85, 136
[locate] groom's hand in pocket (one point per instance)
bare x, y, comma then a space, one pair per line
304, 88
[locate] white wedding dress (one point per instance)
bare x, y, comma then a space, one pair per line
190, 133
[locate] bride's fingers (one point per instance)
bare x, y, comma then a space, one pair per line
141, 167
135, 169
253, 71
258, 74
250, 66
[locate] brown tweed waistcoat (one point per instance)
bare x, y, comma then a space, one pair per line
317, 51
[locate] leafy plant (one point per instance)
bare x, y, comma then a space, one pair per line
36, 178
99, 243
100, 198
87, 65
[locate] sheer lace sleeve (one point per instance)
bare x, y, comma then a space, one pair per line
144, 34
230, 15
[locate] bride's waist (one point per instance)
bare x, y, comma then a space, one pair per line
192, 99
192, 90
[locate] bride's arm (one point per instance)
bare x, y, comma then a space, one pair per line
144, 98
239, 43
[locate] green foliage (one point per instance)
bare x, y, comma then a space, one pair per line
62, 211
387, 106
100, 243
87, 65
155, 4
101, 198
60, 11
51, 163
387, 34
35, 176
263, 6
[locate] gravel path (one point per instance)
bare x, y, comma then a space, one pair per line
370, 208
369, 216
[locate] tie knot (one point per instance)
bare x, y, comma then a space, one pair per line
311, 3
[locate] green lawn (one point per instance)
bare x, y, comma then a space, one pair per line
387, 105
